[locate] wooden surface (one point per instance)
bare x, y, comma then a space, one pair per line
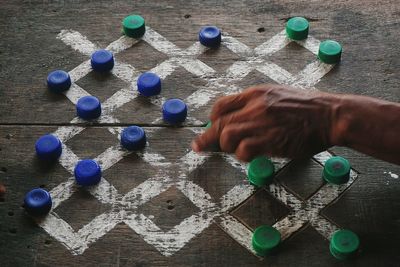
29, 50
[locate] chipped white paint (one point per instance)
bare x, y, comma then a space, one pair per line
310, 44
393, 175
80, 71
125, 206
77, 41
237, 231
122, 44
75, 92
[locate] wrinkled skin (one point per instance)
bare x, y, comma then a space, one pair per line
269, 119
278, 120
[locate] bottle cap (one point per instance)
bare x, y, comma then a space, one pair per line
88, 108
58, 81
87, 172
174, 111
133, 138
260, 171
37, 202
344, 244
210, 36
48, 147
330, 52
336, 170
297, 28
265, 240
149, 84
133, 26
102, 61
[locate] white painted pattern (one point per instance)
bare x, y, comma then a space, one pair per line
125, 206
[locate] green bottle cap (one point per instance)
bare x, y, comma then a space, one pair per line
344, 244
261, 171
265, 240
336, 170
330, 52
297, 28
133, 26
214, 147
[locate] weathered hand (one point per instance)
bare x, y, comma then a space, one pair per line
273, 120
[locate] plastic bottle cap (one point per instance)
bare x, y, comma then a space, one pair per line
37, 202
297, 28
261, 171
87, 172
330, 52
58, 81
133, 26
265, 240
210, 36
344, 244
133, 138
174, 111
48, 147
88, 108
149, 84
336, 170
102, 61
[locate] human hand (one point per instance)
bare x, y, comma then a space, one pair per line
272, 120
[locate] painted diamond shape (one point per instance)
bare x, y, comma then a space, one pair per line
171, 241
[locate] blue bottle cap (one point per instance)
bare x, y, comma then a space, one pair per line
87, 172
88, 108
48, 147
149, 84
210, 36
102, 61
37, 202
58, 81
133, 138
174, 111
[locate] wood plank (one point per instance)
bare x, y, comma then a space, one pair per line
369, 64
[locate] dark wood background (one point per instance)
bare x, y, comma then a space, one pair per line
369, 32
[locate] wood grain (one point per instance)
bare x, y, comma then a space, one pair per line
29, 50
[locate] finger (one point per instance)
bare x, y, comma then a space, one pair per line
251, 147
210, 137
234, 133
227, 104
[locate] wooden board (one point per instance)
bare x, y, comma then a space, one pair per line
215, 193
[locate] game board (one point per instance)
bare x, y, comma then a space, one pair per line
173, 240
167, 206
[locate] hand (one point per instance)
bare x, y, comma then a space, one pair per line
272, 120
